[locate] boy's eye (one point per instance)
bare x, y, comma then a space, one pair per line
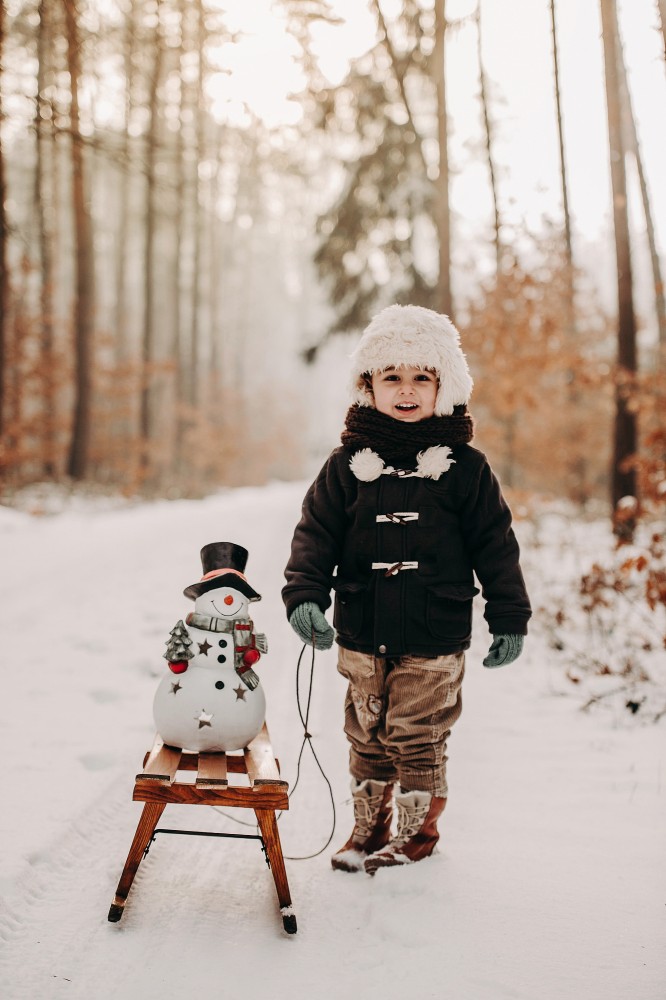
424, 377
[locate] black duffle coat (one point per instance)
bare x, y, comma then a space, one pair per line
463, 529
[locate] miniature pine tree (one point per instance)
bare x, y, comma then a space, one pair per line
177, 644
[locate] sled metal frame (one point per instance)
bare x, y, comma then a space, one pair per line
264, 792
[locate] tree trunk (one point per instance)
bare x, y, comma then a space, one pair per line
623, 478
4, 236
489, 142
43, 209
126, 169
576, 464
215, 322
195, 342
442, 210
180, 375
631, 143
148, 338
563, 174
84, 268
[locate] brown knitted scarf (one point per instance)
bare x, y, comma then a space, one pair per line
398, 442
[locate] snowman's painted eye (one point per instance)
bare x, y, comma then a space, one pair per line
228, 599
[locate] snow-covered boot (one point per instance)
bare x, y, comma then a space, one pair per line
373, 811
417, 834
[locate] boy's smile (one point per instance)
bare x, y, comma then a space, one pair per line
405, 393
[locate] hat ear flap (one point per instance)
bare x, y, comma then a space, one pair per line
455, 386
361, 390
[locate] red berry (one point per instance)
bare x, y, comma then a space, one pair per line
251, 656
179, 667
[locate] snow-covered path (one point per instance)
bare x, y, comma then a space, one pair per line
550, 878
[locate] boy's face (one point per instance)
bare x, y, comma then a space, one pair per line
405, 393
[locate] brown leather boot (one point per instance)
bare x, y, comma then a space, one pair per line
373, 811
417, 834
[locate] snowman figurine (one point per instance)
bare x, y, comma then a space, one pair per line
211, 699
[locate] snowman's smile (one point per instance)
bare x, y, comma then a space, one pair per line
229, 610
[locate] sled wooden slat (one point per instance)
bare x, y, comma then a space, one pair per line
235, 763
262, 791
260, 762
273, 795
161, 764
212, 769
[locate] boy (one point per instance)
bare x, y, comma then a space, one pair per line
407, 512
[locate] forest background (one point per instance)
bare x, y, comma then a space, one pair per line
202, 202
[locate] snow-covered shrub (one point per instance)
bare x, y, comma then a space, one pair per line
608, 627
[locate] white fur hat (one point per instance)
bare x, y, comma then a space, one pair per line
412, 335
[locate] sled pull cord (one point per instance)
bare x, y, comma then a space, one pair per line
307, 738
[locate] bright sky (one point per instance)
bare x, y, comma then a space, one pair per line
518, 57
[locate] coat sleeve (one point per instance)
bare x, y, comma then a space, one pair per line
317, 541
492, 545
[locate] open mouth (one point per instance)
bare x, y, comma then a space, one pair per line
406, 407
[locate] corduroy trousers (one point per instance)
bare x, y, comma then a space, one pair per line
398, 716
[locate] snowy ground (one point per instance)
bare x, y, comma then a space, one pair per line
550, 879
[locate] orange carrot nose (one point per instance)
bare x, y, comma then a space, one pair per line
228, 599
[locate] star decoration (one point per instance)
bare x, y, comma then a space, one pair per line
204, 647
204, 718
175, 688
240, 693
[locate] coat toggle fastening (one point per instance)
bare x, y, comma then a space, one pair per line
392, 569
398, 517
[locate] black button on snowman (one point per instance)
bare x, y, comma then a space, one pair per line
211, 699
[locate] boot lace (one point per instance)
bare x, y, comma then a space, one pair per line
410, 821
366, 811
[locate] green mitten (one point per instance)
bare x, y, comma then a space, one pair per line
504, 649
305, 619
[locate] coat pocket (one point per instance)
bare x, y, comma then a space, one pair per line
348, 610
449, 611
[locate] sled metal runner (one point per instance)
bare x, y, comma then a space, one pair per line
262, 790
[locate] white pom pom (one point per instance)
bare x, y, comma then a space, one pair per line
366, 465
432, 462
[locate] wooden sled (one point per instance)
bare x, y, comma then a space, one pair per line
264, 792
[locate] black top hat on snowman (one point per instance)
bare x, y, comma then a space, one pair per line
223, 566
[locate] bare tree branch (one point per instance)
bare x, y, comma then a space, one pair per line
489, 138
400, 79
560, 133
661, 4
